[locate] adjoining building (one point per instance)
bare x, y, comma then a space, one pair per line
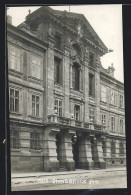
66, 110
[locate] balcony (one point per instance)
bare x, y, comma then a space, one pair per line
54, 118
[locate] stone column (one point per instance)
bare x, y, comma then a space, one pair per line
50, 155
85, 154
98, 154
66, 155
108, 151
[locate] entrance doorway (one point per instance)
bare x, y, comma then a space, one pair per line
75, 151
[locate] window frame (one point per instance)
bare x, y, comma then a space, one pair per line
92, 116
77, 112
34, 73
113, 147
35, 142
14, 99
103, 118
112, 94
91, 85
15, 58
103, 94
121, 101
14, 139
75, 77
58, 107
35, 103
58, 70
113, 123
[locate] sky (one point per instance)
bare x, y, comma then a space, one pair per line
106, 20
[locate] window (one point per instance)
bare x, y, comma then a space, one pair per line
77, 113
14, 139
58, 41
104, 147
112, 124
75, 76
35, 66
57, 70
35, 141
121, 126
121, 148
112, 97
92, 114
91, 85
14, 100
121, 103
14, 58
35, 105
113, 148
103, 93
91, 58
103, 119
58, 107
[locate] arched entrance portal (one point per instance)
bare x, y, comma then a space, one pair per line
75, 151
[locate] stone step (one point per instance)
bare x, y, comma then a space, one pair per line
62, 168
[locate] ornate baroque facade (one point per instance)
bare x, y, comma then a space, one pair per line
66, 110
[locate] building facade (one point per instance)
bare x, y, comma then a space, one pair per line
66, 110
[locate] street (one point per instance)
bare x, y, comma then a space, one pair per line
92, 180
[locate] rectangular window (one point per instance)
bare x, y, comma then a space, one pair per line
113, 148
113, 124
77, 112
91, 85
14, 139
14, 100
57, 71
113, 97
14, 58
58, 107
35, 141
92, 114
91, 58
103, 119
121, 126
35, 105
35, 66
121, 103
58, 41
75, 77
121, 147
103, 93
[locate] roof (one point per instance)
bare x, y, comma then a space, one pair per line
61, 14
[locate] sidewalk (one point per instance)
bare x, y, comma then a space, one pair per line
77, 171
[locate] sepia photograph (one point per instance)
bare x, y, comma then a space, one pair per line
66, 97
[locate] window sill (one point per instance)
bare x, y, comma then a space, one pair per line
58, 84
15, 113
113, 105
15, 71
35, 150
35, 117
34, 78
77, 91
15, 150
103, 102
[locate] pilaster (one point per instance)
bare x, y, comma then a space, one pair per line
98, 154
66, 155
50, 155
85, 154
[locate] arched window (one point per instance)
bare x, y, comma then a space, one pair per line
75, 77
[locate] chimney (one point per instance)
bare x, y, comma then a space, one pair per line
9, 19
111, 70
